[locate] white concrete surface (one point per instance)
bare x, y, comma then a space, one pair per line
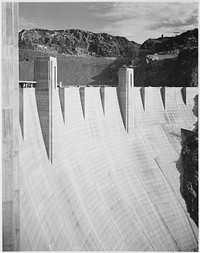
106, 189
90, 169
10, 130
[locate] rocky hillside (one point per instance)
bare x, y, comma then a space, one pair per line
187, 39
169, 61
180, 70
86, 58
76, 42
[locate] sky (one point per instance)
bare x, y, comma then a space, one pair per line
137, 21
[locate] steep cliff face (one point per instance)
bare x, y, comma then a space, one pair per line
189, 156
170, 61
77, 42
178, 70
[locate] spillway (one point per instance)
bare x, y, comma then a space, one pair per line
96, 186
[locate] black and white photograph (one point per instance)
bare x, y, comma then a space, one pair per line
99, 126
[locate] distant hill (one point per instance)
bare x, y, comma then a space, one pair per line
75, 42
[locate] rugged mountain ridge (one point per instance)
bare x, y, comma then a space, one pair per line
187, 39
77, 42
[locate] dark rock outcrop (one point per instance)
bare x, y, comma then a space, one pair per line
189, 155
187, 39
175, 60
181, 70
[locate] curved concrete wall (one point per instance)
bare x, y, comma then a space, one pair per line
105, 189
82, 178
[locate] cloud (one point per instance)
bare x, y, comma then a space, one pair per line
141, 20
23, 24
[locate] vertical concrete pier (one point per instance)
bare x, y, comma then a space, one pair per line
24, 86
10, 128
124, 92
45, 73
22, 110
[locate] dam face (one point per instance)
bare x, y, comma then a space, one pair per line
90, 180
97, 167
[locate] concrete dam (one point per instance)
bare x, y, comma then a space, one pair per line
98, 166
92, 168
